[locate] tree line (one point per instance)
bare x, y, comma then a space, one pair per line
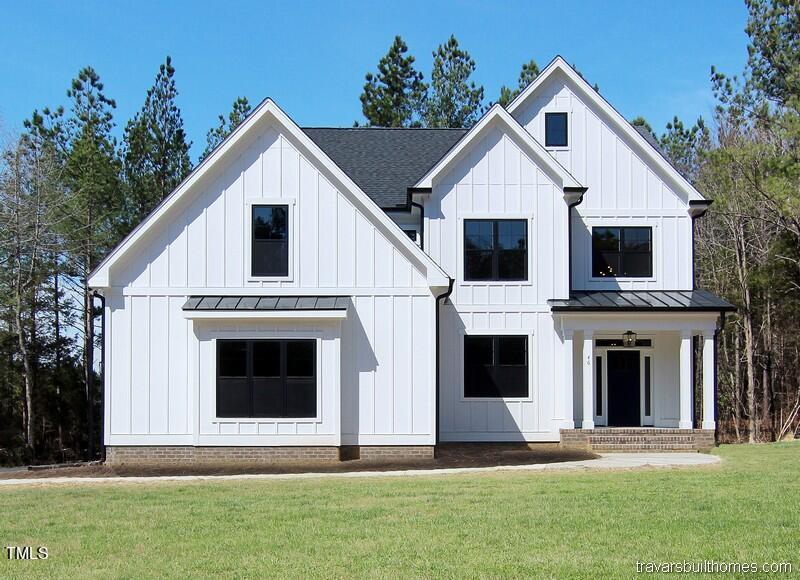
69, 192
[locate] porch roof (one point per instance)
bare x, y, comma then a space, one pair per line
266, 303
641, 300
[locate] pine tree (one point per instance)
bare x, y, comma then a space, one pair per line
81, 144
453, 100
529, 72
684, 146
155, 150
239, 112
393, 95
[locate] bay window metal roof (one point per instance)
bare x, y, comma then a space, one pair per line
640, 300
266, 303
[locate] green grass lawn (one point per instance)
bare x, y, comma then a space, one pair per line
502, 524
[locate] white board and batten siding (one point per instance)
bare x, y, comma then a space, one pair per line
160, 365
496, 179
624, 189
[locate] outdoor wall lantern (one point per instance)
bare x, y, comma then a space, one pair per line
629, 339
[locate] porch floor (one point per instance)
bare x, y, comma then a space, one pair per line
637, 439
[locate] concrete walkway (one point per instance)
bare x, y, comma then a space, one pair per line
609, 461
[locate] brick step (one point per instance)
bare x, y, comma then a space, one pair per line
643, 448
633, 439
632, 431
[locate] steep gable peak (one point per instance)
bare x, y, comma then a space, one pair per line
497, 116
559, 67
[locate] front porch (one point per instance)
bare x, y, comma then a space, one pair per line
631, 368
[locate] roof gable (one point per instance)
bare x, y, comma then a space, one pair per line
558, 66
265, 114
497, 116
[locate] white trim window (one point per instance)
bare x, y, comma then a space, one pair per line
266, 378
556, 130
495, 250
622, 252
496, 366
269, 240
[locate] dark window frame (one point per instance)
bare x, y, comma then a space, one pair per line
255, 272
622, 252
553, 115
496, 252
496, 371
285, 381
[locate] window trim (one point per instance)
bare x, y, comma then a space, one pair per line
653, 234
569, 129
316, 418
531, 365
529, 258
248, 241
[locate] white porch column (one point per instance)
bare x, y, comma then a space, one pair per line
685, 421
569, 380
709, 421
588, 380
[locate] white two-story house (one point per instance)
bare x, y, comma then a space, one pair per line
379, 291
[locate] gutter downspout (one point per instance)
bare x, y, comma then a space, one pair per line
571, 191
421, 224
439, 301
102, 424
697, 209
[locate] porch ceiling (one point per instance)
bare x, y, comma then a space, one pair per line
642, 301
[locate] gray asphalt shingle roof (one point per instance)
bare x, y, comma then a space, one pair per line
662, 300
385, 162
267, 303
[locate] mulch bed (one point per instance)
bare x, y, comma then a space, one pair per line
447, 456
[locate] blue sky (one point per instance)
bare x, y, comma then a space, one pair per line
649, 58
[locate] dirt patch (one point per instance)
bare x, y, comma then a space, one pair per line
447, 456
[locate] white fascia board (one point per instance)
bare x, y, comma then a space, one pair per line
637, 321
498, 115
268, 109
558, 64
265, 314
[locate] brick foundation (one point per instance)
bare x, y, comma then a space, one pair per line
388, 453
637, 439
179, 456
158, 455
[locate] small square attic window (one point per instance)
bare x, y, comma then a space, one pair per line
555, 130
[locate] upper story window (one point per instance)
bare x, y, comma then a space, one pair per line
619, 252
270, 249
495, 366
555, 130
266, 378
495, 250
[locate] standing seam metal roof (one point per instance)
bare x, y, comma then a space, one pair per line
267, 303
693, 300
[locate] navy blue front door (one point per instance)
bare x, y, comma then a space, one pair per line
624, 392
